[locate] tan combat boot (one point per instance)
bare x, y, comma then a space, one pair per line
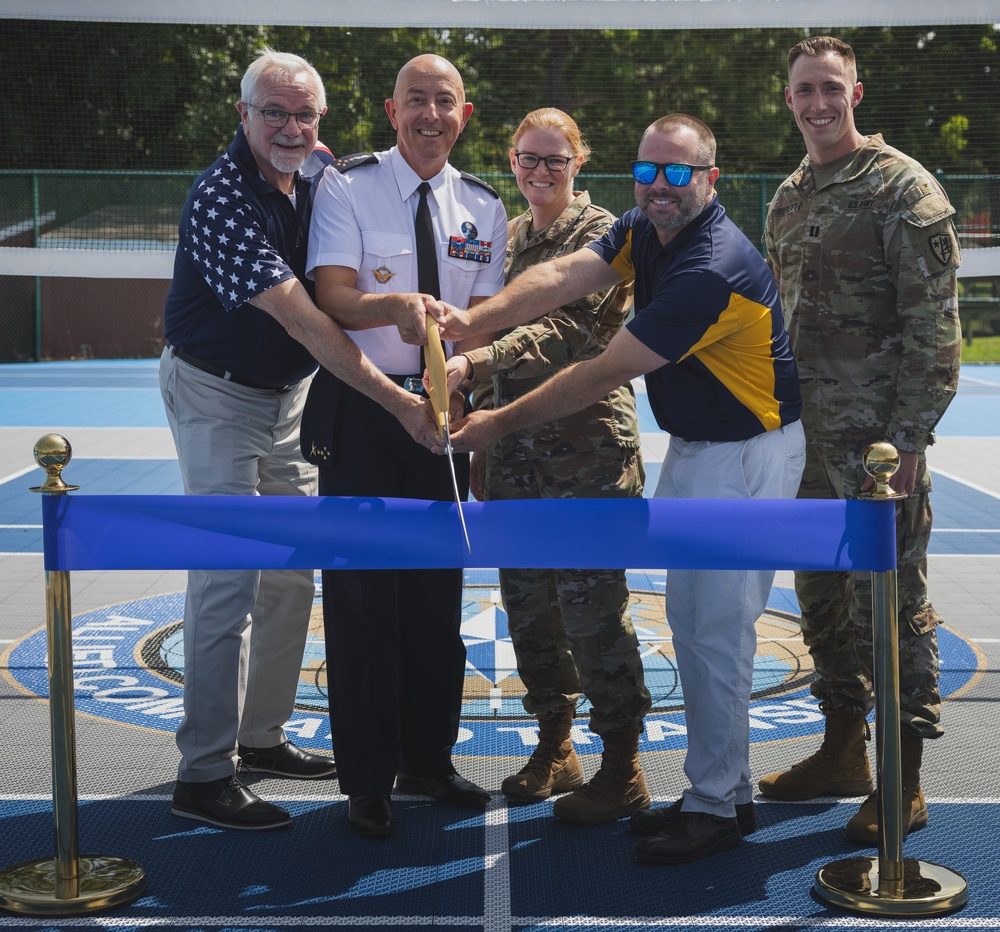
839, 768
553, 766
863, 826
617, 789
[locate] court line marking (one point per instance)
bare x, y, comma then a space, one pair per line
496, 869
17, 475
496, 806
974, 381
966, 530
546, 922
965, 482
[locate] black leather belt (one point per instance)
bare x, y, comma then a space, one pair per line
223, 373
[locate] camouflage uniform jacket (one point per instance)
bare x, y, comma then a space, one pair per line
522, 358
866, 270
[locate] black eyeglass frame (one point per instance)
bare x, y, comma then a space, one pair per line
547, 159
264, 111
665, 167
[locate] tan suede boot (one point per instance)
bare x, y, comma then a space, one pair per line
863, 825
553, 766
617, 789
839, 768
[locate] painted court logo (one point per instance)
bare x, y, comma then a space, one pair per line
129, 667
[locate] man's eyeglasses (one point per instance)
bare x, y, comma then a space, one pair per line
554, 163
307, 119
676, 173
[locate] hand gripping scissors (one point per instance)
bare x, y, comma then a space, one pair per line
440, 399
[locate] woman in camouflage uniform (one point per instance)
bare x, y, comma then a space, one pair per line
571, 629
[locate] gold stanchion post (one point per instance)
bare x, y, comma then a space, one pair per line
889, 885
67, 884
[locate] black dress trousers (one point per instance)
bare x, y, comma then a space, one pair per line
395, 657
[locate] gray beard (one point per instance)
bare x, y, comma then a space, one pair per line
288, 162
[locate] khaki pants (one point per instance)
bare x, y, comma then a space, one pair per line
244, 631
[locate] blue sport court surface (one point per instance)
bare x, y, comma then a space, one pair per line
512, 868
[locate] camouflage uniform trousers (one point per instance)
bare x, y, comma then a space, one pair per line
571, 629
837, 607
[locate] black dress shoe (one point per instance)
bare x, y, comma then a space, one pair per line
286, 760
226, 803
654, 821
370, 816
452, 789
689, 837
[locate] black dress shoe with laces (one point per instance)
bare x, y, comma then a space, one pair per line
452, 789
226, 803
370, 816
286, 760
690, 837
654, 821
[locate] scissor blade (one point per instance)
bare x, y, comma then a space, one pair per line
454, 478
439, 400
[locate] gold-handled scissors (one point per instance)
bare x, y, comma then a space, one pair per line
440, 402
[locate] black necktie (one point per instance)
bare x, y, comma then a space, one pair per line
427, 267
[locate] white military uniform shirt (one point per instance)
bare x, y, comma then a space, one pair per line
363, 219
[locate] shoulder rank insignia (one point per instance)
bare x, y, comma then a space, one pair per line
347, 162
472, 179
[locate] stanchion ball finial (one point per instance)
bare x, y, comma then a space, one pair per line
53, 453
881, 460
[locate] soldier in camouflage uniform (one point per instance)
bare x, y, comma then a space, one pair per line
861, 241
571, 629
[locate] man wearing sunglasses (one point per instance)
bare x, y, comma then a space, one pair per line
709, 336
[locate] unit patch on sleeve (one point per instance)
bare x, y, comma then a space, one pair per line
941, 247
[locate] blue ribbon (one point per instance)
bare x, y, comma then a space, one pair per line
125, 532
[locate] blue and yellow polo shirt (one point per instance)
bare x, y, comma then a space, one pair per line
708, 303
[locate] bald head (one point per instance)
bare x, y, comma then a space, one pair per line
428, 110
429, 66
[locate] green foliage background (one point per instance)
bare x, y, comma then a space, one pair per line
130, 96
107, 123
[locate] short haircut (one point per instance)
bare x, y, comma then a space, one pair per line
673, 121
284, 67
821, 45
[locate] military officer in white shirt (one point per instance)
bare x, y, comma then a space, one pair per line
396, 661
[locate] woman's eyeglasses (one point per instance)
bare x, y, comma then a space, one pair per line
554, 163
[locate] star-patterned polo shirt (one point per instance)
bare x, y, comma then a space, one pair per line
240, 237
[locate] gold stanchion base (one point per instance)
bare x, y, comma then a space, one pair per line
105, 881
927, 890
